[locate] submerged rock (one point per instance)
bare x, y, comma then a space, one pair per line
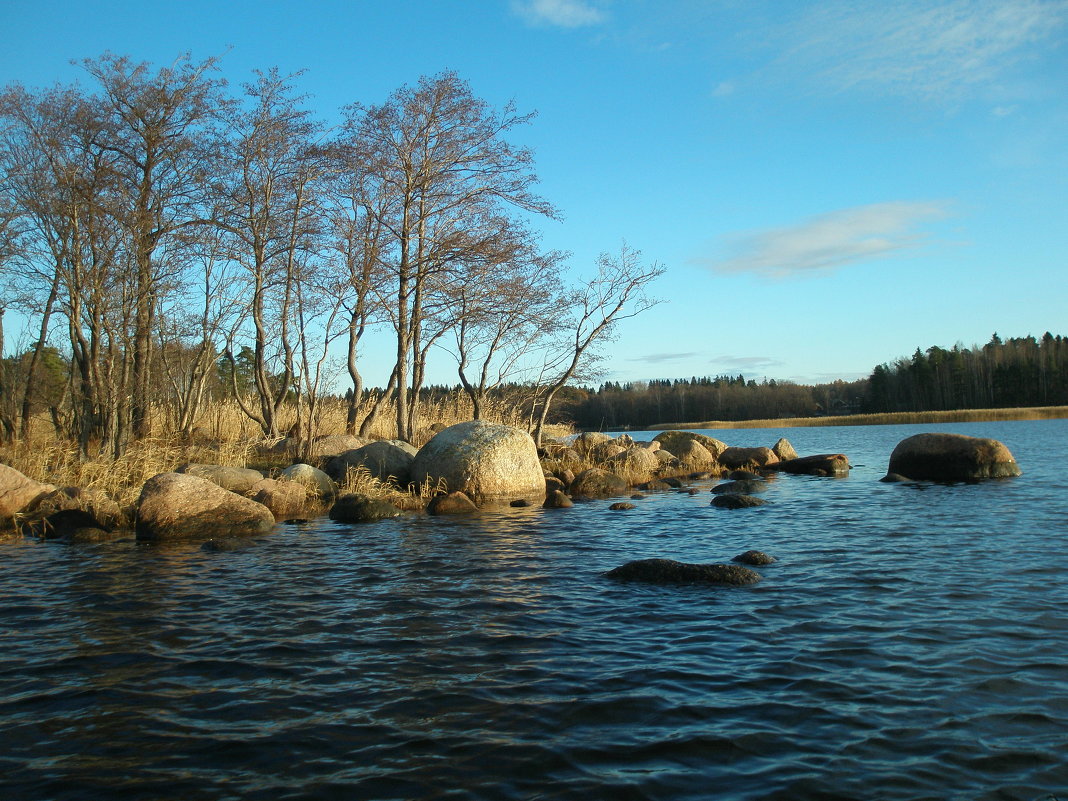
452, 503
824, 464
358, 508
558, 499
754, 558
668, 571
740, 487
737, 501
621, 506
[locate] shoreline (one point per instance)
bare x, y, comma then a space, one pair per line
887, 418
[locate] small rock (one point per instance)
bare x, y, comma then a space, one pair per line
357, 508
519, 502
736, 501
621, 506
740, 487
453, 503
668, 571
784, 450
754, 558
557, 499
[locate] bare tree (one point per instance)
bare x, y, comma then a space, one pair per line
436, 156
502, 307
65, 184
268, 208
616, 293
192, 326
159, 130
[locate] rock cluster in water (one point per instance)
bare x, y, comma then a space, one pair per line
472, 465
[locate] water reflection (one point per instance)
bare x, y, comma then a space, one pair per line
911, 641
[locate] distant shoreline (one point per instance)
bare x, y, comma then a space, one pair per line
889, 418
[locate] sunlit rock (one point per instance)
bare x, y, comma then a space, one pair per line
952, 457
178, 506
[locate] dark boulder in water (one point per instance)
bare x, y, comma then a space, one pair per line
621, 506
668, 571
754, 558
824, 464
558, 499
597, 483
452, 503
729, 501
952, 457
357, 508
741, 487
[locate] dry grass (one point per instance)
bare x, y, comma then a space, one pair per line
892, 418
225, 436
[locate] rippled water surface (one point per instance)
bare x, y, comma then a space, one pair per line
911, 642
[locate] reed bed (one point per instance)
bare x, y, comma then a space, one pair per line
890, 418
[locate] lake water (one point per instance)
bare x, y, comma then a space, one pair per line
911, 642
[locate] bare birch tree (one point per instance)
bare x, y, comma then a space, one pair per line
616, 293
437, 157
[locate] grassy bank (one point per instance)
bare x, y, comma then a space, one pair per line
890, 418
226, 437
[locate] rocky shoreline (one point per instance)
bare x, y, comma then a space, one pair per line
463, 468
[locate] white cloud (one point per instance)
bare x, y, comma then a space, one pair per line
828, 241
659, 358
559, 13
935, 49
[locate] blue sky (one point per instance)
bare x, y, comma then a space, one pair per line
829, 184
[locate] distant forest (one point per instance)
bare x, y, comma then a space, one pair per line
1022, 371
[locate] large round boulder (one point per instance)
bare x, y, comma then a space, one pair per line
673, 440
691, 452
668, 571
357, 508
18, 493
597, 483
311, 478
181, 506
485, 461
735, 458
637, 461
285, 499
234, 479
384, 459
952, 457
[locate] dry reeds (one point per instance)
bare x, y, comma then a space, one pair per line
224, 435
889, 418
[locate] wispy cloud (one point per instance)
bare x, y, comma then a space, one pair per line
828, 241
744, 363
559, 13
660, 358
937, 50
